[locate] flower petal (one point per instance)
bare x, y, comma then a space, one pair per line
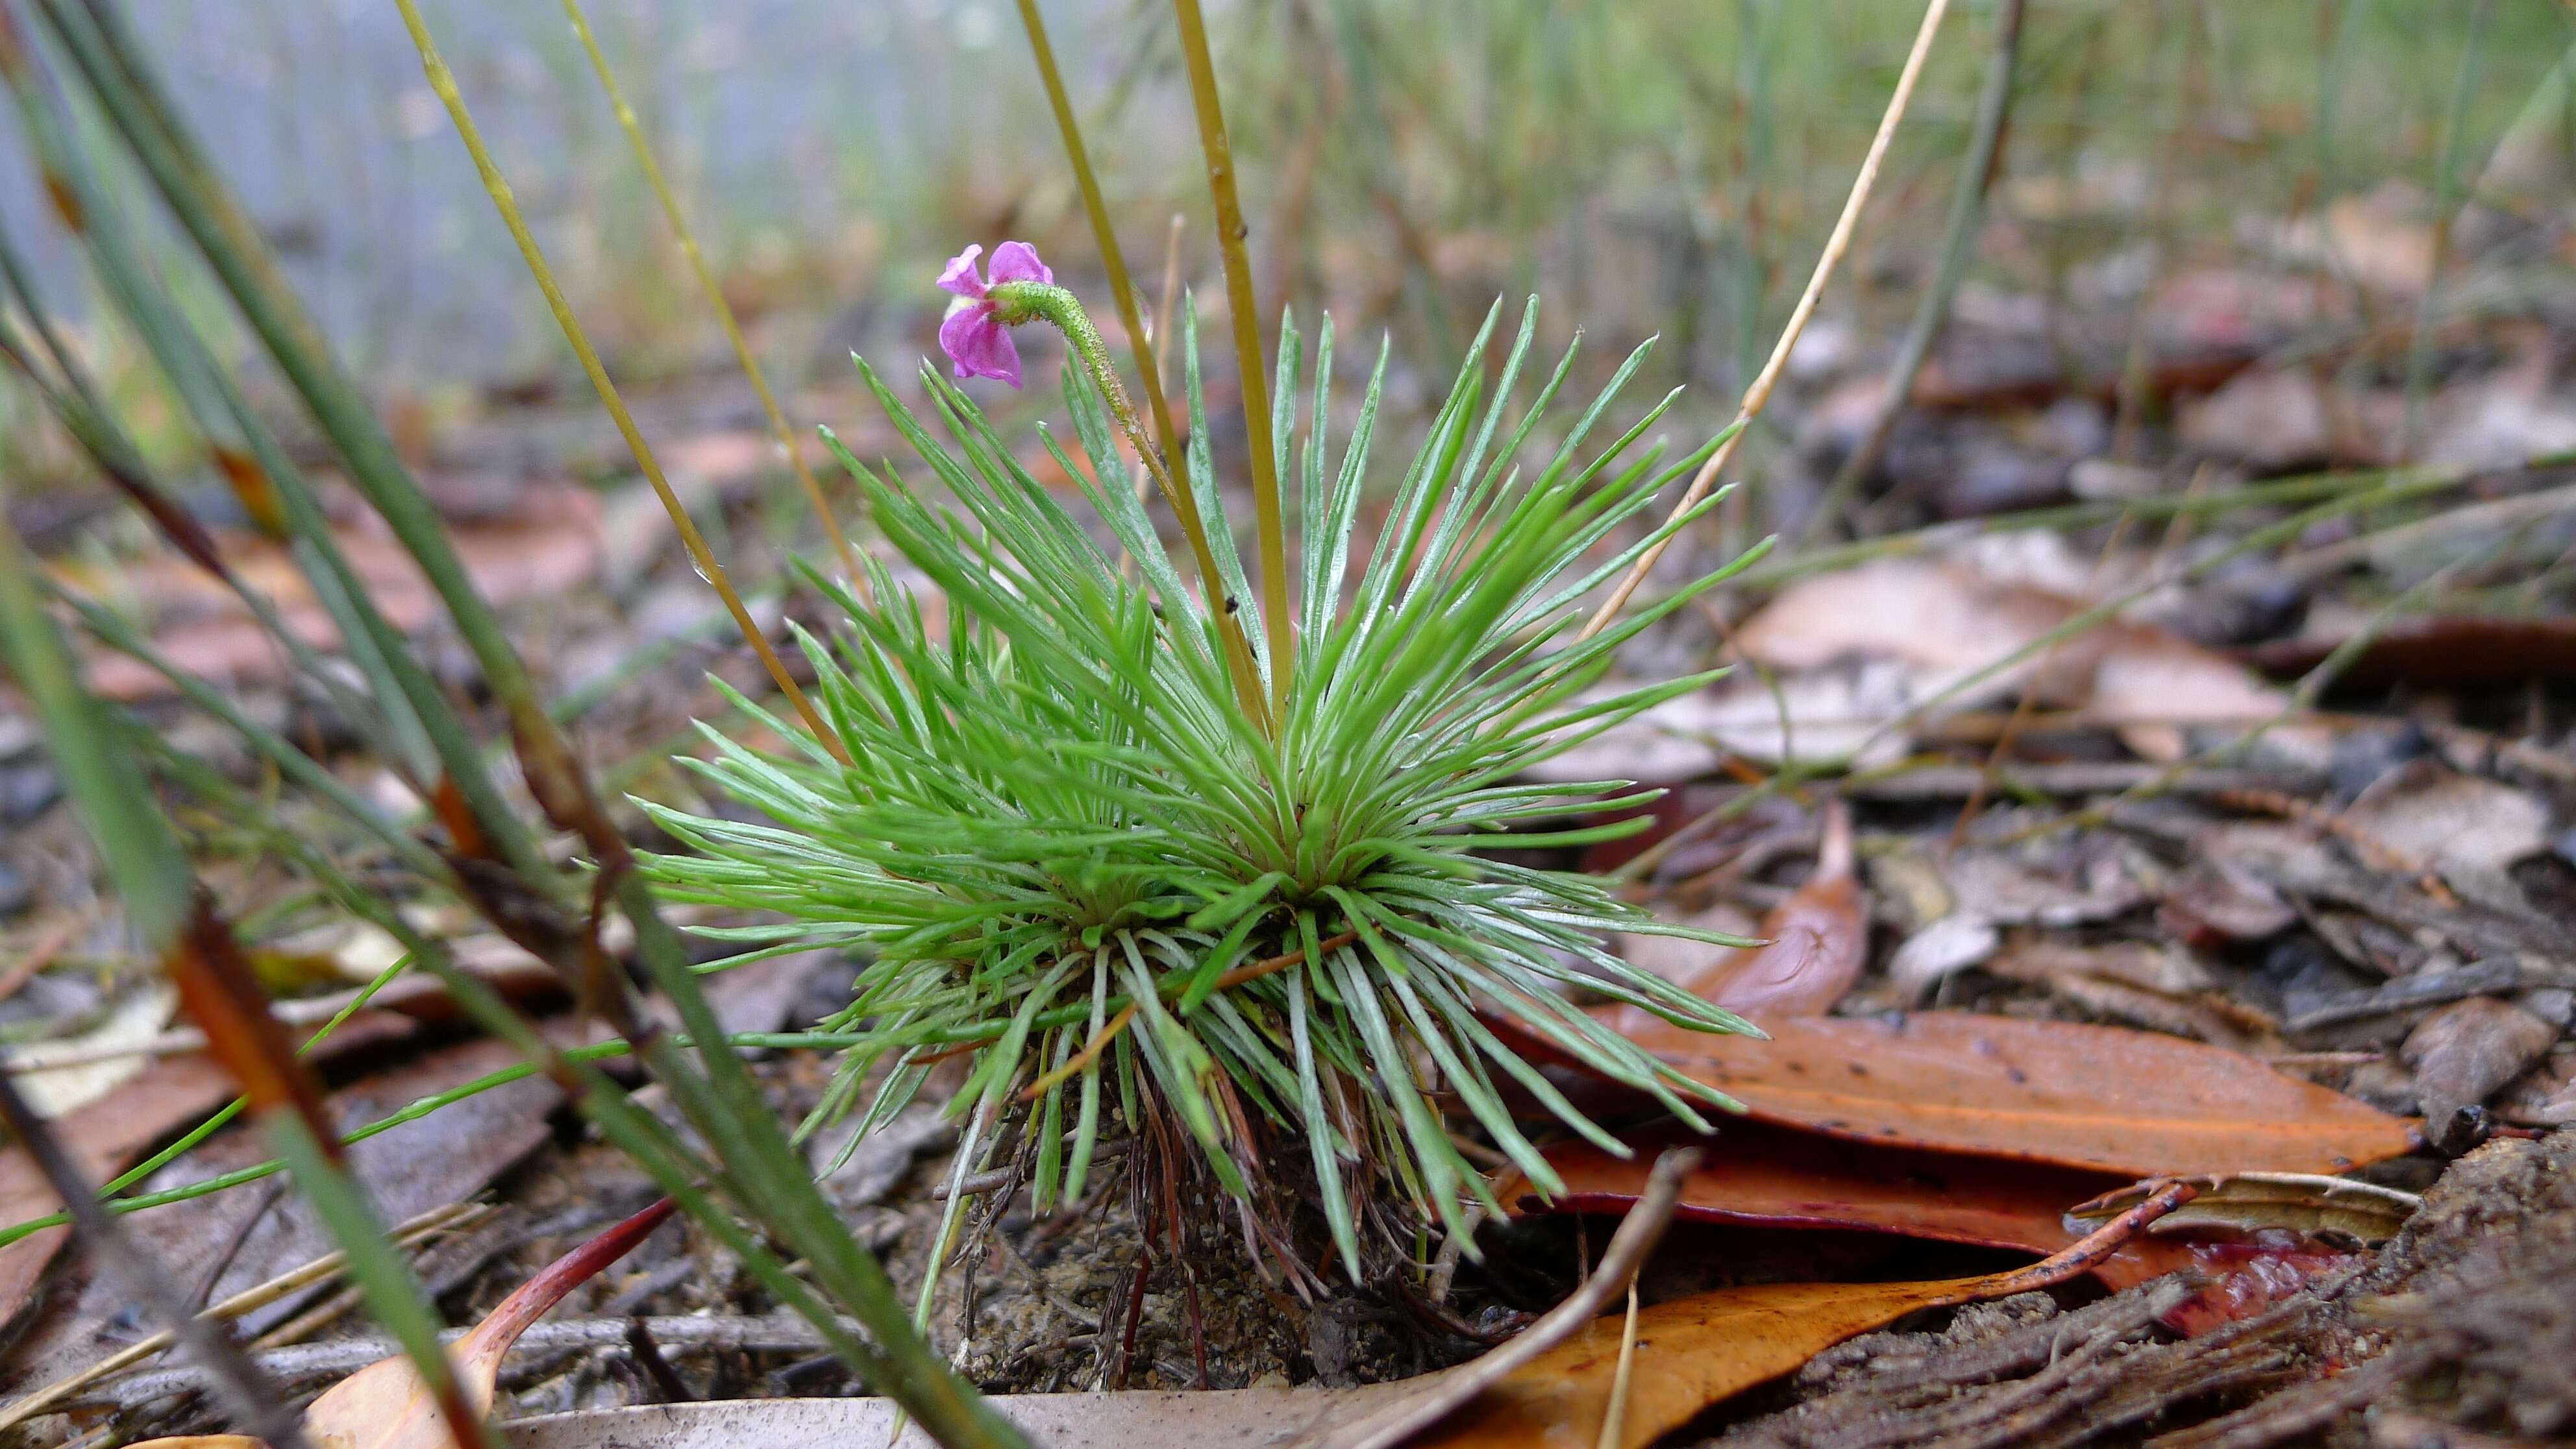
960, 277
1015, 261
979, 346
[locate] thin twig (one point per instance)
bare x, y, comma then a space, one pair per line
1760, 393
37, 957
444, 1218
750, 365
1614, 1419
778, 1334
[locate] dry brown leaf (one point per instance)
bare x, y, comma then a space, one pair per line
2212, 902
2164, 988
2545, 1096
96, 1061
102, 1137
1999, 887
2381, 238
2208, 1020
2465, 1051
2442, 650
553, 545
1940, 619
2436, 817
2154, 687
1949, 945
2271, 418
1698, 1351
1818, 941
2130, 1102
1407, 1408
1943, 622
108, 1134
1771, 1177
386, 1406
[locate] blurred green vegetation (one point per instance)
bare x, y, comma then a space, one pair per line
1655, 167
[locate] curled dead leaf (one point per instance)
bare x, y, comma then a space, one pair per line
1816, 942
1946, 623
2431, 815
386, 1405
2464, 1051
1771, 1177
1694, 1352
2244, 1204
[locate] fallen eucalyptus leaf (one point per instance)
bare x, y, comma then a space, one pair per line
2465, 1051
87, 1068
2436, 817
1418, 1403
2129, 1102
1772, 1177
1942, 949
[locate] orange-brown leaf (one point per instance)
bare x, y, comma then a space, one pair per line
1698, 1351
1691, 1353
102, 1137
2128, 1102
1761, 1176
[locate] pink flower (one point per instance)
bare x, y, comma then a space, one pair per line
973, 336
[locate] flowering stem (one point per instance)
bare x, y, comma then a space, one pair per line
1018, 302
1121, 289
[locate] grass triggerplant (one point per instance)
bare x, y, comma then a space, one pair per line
1065, 815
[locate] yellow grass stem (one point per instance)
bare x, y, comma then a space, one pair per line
715, 298
443, 82
1835, 245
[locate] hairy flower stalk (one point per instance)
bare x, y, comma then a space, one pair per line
975, 338
1273, 954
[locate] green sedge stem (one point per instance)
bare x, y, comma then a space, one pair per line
1244, 315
